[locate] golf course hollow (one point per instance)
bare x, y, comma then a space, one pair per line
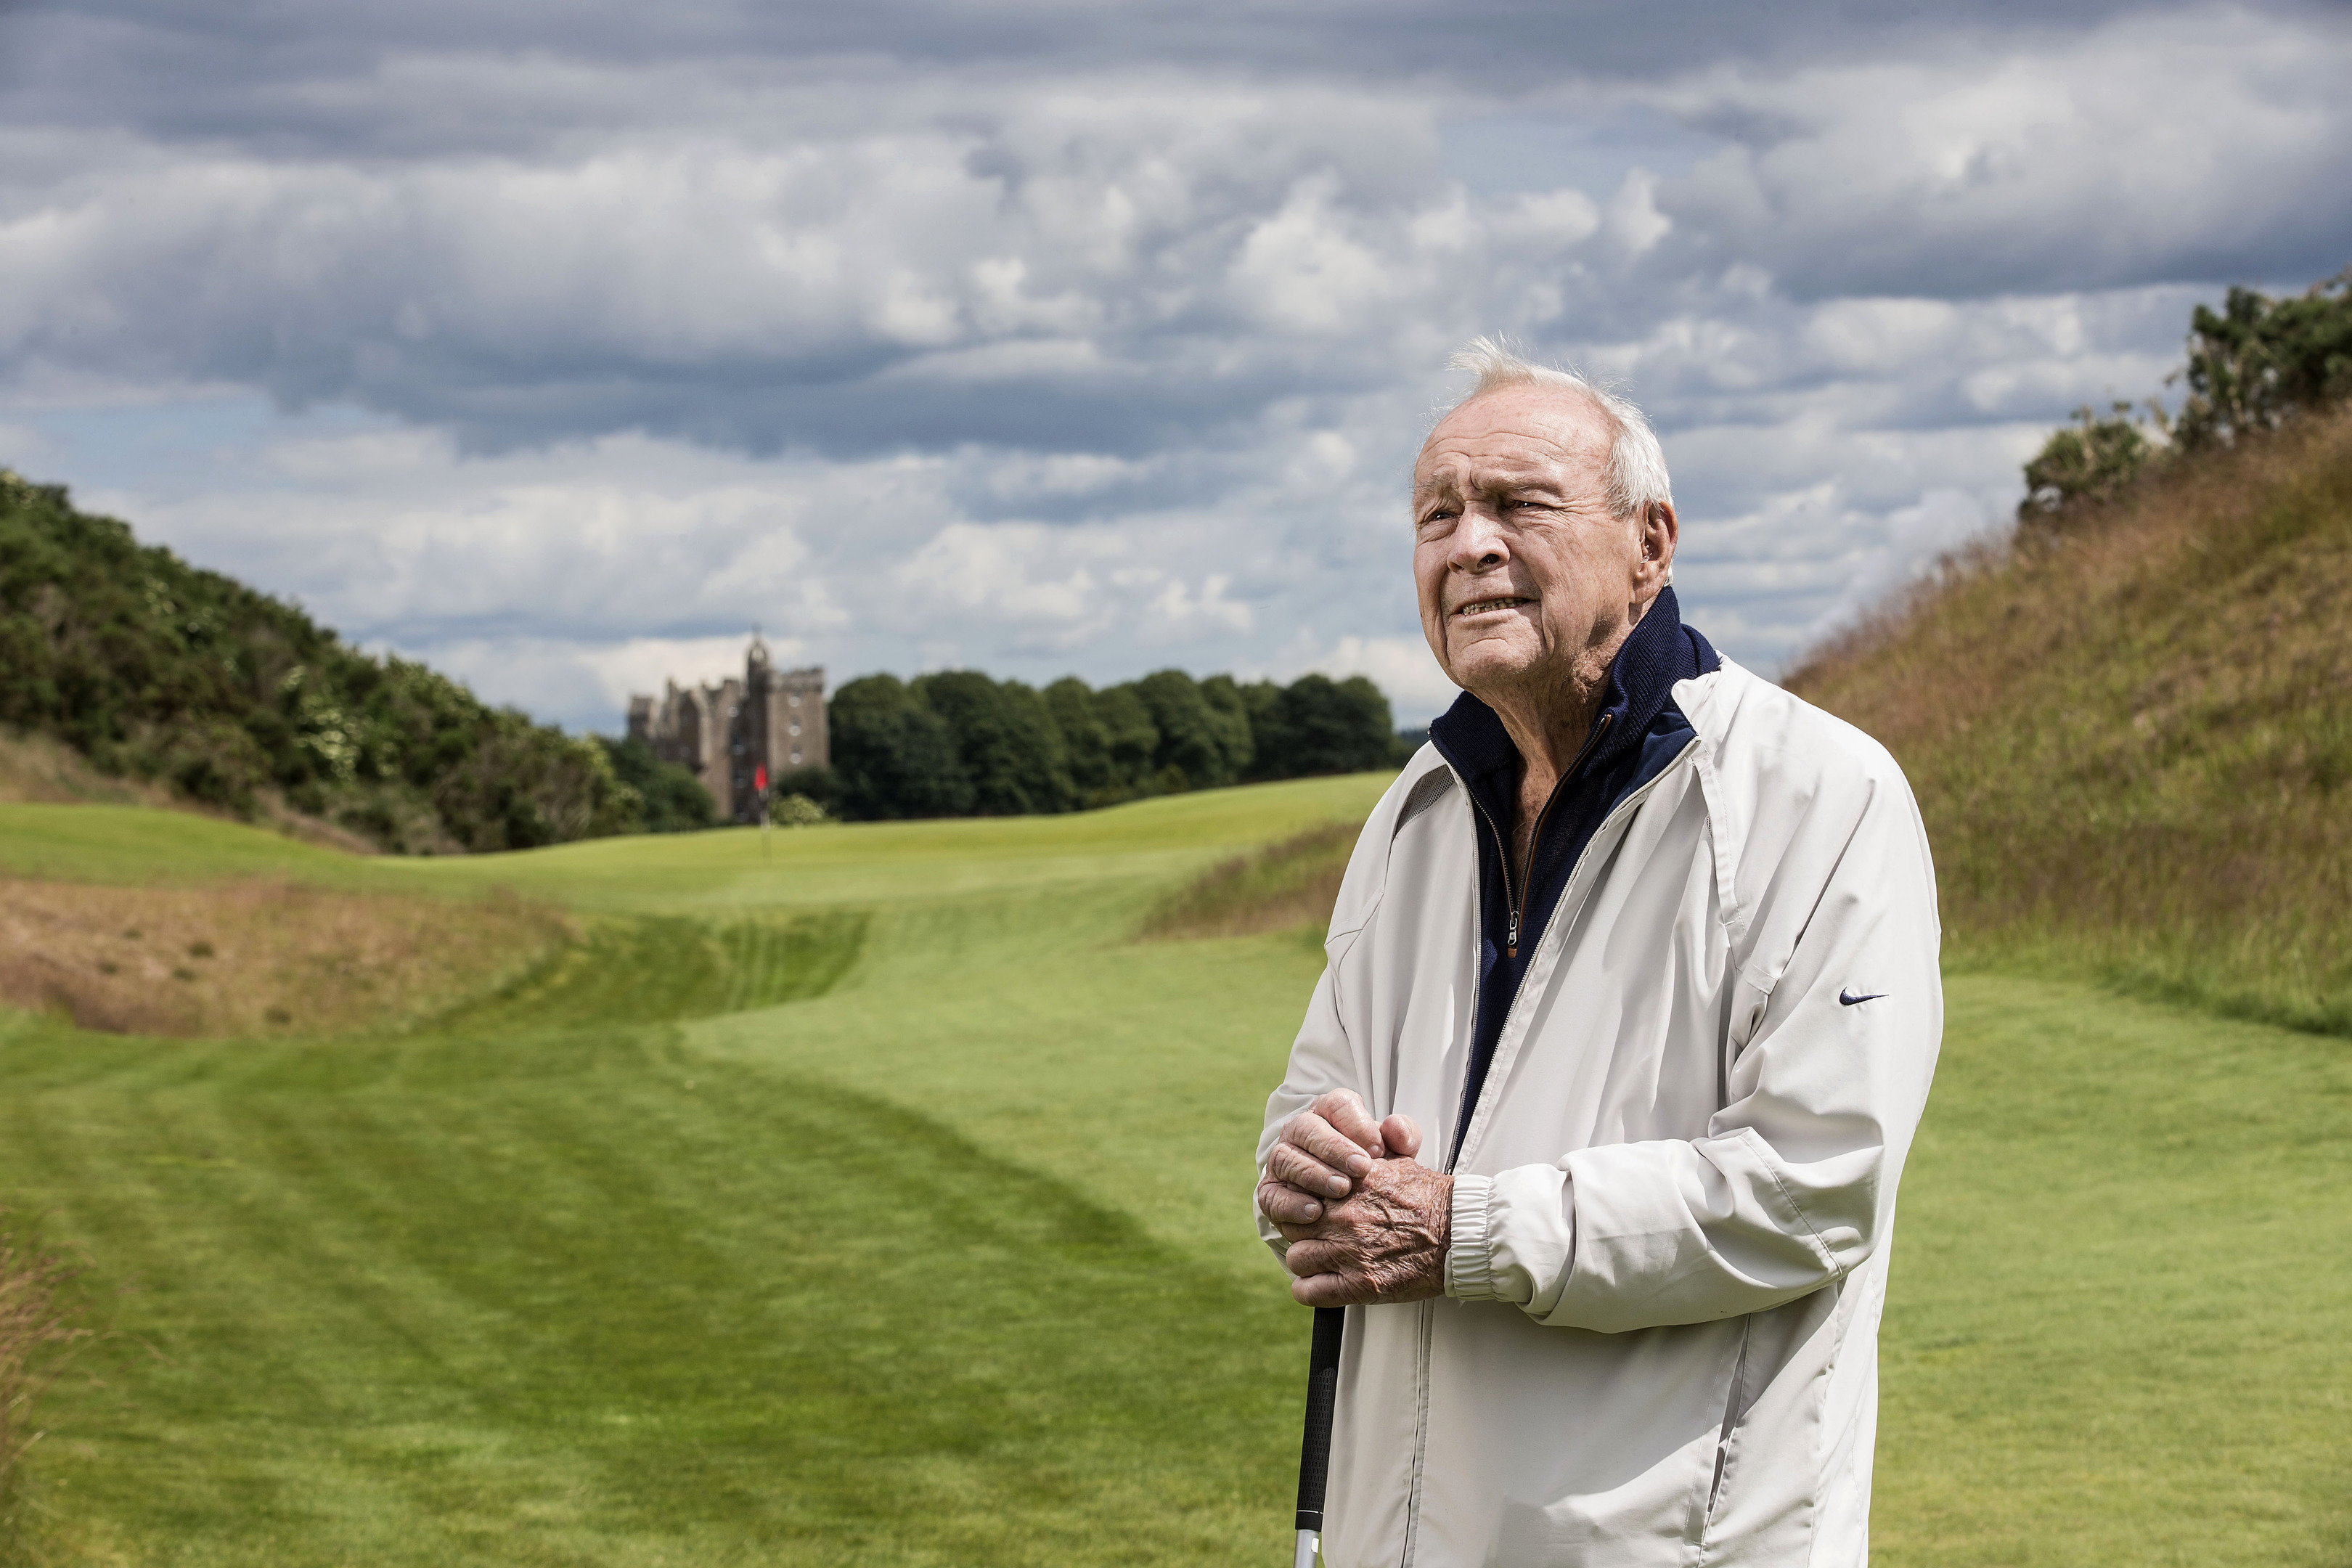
876, 1198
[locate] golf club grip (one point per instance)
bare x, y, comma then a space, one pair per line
1322, 1388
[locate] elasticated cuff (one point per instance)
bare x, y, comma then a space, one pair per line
1470, 1255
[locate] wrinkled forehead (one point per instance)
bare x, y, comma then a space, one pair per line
1514, 433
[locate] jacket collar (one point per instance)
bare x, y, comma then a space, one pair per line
1658, 652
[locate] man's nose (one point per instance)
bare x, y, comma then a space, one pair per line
1479, 544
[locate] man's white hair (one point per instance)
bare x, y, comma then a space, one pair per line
1637, 465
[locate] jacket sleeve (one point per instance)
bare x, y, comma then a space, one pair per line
1830, 1050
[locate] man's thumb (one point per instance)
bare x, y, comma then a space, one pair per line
1402, 1135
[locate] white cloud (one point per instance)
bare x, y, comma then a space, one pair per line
2167, 144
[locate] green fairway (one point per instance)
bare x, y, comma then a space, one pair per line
866, 1196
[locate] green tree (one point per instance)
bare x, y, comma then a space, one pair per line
1193, 748
1229, 713
2258, 362
892, 755
1134, 739
1086, 739
1007, 737
1316, 725
821, 784
674, 800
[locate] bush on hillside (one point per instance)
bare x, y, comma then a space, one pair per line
150, 667
2259, 362
959, 744
2090, 458
674, 799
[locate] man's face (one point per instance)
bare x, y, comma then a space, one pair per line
1527, 581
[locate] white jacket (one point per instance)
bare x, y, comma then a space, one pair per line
1658, 1343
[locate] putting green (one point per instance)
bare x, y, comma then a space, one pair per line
867, 1196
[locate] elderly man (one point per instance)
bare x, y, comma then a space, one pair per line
1629, 1013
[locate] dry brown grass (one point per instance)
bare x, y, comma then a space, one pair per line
45, 771
1282, 887
42, 770
2133, 739
256, 958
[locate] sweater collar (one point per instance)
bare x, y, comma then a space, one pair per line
1658, 652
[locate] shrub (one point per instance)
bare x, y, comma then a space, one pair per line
797, 810
2093, 456
2258, 362
674, 799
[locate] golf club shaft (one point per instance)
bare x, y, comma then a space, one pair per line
1315, 1451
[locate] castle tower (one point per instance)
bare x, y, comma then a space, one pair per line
726, 734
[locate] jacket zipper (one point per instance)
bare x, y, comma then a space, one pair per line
1516, 897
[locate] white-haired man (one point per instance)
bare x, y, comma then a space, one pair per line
1649, 948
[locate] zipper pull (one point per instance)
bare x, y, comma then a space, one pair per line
1511, 942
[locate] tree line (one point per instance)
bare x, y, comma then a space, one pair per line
154, 669
960, 743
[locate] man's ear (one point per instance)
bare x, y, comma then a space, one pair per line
1659, 531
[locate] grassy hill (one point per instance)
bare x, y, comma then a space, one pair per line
192, 683
871, 1195
2131, 731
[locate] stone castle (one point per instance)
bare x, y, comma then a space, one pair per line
738, 734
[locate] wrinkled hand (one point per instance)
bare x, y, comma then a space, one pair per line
1366, 1221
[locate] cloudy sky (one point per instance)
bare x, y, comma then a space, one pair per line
561, 344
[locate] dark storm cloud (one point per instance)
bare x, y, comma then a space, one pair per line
216, 68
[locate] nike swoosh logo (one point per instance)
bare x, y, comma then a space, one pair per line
1848, 999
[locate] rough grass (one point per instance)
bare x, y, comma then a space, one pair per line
43, 770
2133, 743
37, 1326
946, 1260
1282, 887
259, 956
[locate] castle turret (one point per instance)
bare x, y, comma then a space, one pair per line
728, 735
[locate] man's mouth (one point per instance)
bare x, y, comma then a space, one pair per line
1490, 606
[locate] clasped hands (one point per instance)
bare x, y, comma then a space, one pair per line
1367, 1222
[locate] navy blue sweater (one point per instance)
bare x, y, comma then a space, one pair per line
1637, 732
